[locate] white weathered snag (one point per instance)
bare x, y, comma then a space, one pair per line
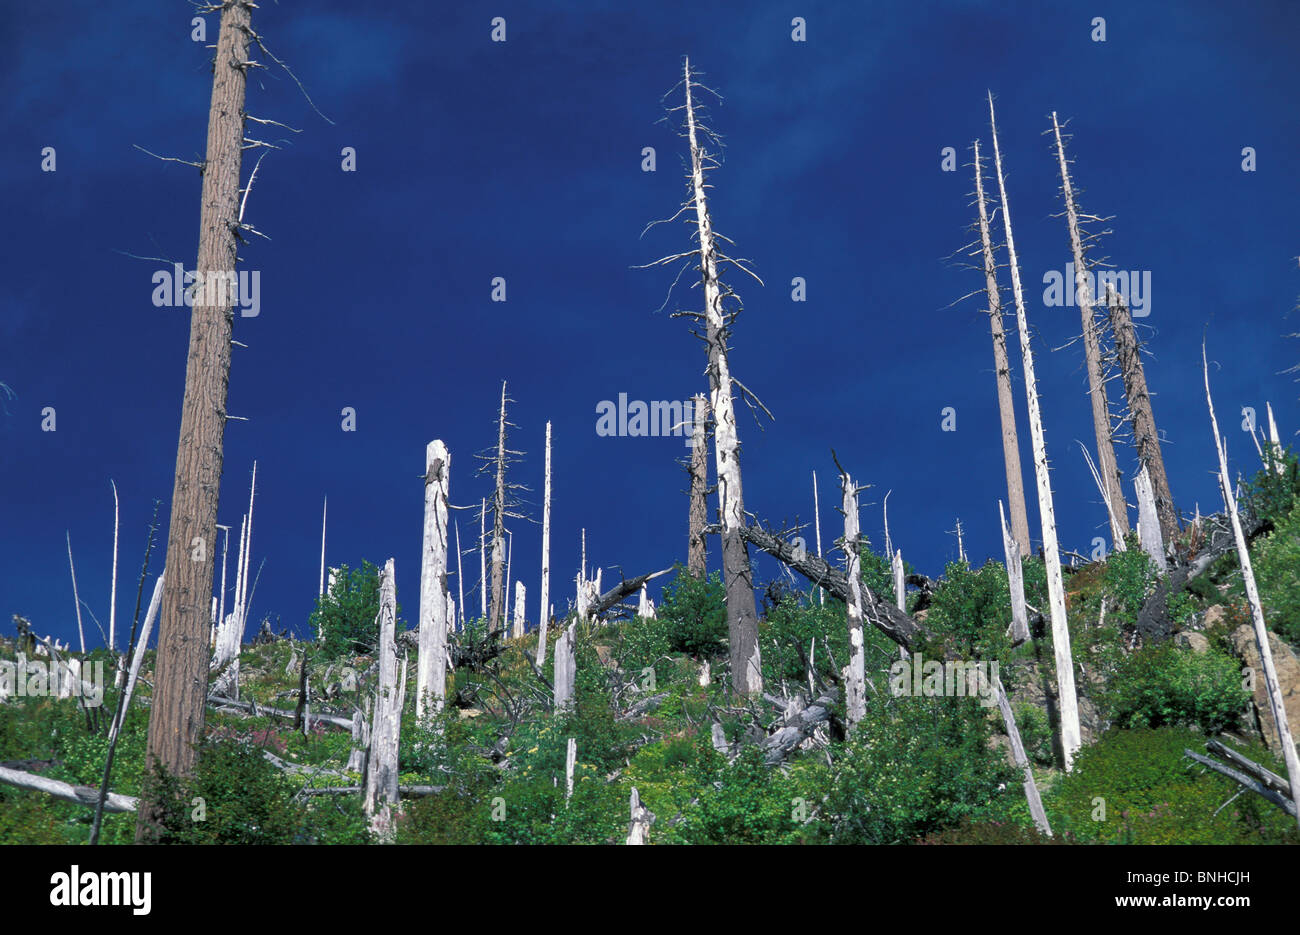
1149, 522
1256, 610
639, 827
1071, 737
517, 625
570, 761
431, 671
856, 689
137, 657
381, 763
1015, 581
565, 666
1018, 753
545, 603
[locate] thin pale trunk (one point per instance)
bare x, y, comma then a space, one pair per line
1106, 463
112, 595
76, 599
817, 527
497, 608
1018, 754
482, 556
1256, 610
320, 592
742, 614
1071, 738
545, 603
1149, 523
856, 688
1015, 582
1002, 368
460, 579
381, 763
517, 625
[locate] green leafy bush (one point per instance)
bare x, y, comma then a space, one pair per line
1168, 685
347, 613
974, 606
1276, 563
695, 613
1129, 577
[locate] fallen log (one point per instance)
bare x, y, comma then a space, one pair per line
882, 614
799, 726
221, 701
78, 795
1245, 781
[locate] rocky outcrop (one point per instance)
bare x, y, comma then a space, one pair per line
1288, 676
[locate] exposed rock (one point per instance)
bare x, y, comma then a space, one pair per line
1192, 640
1288, 677
1214, 615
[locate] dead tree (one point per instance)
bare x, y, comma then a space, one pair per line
1145, 437
1071, 738
856, 688
1106, 463
503, 507
742, 613
381, 761
1275, 699
1019, 630
1018, 754
431, 674
181, 683
1002, 368
696, 548
544, 615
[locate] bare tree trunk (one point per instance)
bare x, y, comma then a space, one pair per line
570, 761
1016, 583
1106, 463
180, 690
639, 826
431, 674
565, 666
1256, 611
517, 625
320, 592
460, 581
696, 548
1143, 421
817, 527
1071, 738
1018, 754
482, 556
1002, 366
544, 615
1149, 523
856, 688
496, 619
742, 614
112, 594
137, 657
381, 763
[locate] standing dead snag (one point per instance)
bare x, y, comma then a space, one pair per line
1256, 611
1145, 436
696, 549
1019, 630
381, 762
181, 683
431, 674
856, 682
1106, 464
1002, 366
503, 504
742, 614
544, 614
1148, 523
1071, 738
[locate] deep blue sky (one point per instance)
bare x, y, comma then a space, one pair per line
522, 159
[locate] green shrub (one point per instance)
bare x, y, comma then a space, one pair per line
1165, 685
1128, 579
974, 606
992, 832
1276, 563
913, 766
694, 611
347, 613
1136, 787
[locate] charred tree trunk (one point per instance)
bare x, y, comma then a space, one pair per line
1002, 366
1106, 464
181, 680
1143, 421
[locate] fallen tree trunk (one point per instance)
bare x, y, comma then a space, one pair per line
799, 727
886, 618
1254, 785
78, 795
221, 701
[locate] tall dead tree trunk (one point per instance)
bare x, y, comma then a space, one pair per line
381, 763
431, 674
1276, 702
696, 549
855, 697
181, 684
1071, 738
742, 614
1141, 418
1002, 366
1106, 463
497, 603
544, 615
